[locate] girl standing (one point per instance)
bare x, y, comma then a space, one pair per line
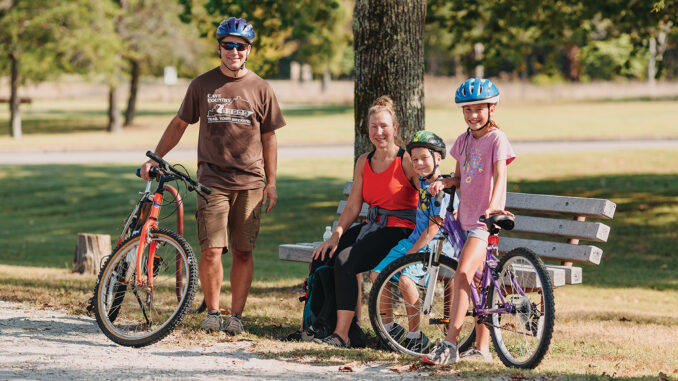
482, 154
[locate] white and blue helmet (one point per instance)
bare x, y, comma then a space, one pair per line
476, 90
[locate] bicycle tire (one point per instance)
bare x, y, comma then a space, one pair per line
435, 326
522, 338
125, 320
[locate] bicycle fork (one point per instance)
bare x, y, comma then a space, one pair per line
145, 238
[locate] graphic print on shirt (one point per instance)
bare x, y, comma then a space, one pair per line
233, 110
423, 205
473, 164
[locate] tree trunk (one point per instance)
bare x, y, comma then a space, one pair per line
114, 118
327, 78
14, 100
90, 250
651, 71
131, 111
389, 60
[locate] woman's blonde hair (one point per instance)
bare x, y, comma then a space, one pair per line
383, 103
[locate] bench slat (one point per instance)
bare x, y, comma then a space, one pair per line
560, 275
589, 231
576, 206
300, 252
573, 274
554, 250
363, 210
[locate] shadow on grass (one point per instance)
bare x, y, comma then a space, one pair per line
66, 121
44, 207
317, 111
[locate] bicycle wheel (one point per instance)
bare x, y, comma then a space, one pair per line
397, 296
132, 223
522, 336
134, 316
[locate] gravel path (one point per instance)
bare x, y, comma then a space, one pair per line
48, 344
58, 155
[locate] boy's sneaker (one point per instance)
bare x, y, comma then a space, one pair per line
212, 323
233, 325
474, 354
420, 344
396, 332
442, 354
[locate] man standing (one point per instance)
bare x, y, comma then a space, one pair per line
237, 158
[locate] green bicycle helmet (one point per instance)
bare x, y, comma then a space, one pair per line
428, 140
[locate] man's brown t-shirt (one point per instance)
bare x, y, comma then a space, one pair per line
233, 113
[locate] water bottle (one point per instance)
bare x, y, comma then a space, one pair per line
328, 233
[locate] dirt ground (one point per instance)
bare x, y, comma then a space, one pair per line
48, 344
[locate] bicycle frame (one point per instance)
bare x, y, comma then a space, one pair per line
452, 232
152, 223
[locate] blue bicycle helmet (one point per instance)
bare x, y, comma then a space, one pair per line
476, 90
235, 27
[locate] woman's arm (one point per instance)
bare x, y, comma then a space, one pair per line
348, 215
408, 168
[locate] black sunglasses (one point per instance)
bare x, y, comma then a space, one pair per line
239, 46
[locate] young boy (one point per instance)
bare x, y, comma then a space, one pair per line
426, 150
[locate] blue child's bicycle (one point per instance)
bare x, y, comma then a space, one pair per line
512, 296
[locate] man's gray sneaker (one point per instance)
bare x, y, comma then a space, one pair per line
212, 323
233, 325
442, 354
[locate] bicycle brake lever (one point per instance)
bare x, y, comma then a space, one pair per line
203, 197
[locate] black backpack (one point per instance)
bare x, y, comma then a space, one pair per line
320, 315
320, 309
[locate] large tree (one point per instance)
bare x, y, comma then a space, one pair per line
155, 37
389, 60
42, 38
282, 28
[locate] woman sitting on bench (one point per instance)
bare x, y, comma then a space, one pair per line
384, 179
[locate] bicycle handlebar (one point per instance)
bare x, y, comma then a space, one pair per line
441, 195
168, 169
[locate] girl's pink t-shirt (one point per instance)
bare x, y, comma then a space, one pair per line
476, 159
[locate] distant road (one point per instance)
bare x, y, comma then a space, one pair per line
136, 155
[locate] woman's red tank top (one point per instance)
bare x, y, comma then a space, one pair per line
391, 190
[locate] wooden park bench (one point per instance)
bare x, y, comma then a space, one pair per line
21, 100
551, 226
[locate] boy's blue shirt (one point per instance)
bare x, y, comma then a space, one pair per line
426, 208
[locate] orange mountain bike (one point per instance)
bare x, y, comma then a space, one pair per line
147, 285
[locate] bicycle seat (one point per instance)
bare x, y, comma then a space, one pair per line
502, 221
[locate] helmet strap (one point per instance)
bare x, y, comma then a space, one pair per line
435, 166
489, 119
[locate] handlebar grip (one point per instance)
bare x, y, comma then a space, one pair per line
152, 173
155, 157
205, 189
439, 198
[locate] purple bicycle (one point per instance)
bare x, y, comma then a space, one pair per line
512, 296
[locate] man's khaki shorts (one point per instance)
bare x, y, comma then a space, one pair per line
230, 219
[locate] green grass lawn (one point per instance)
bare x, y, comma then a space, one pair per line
78, 124
621, 322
